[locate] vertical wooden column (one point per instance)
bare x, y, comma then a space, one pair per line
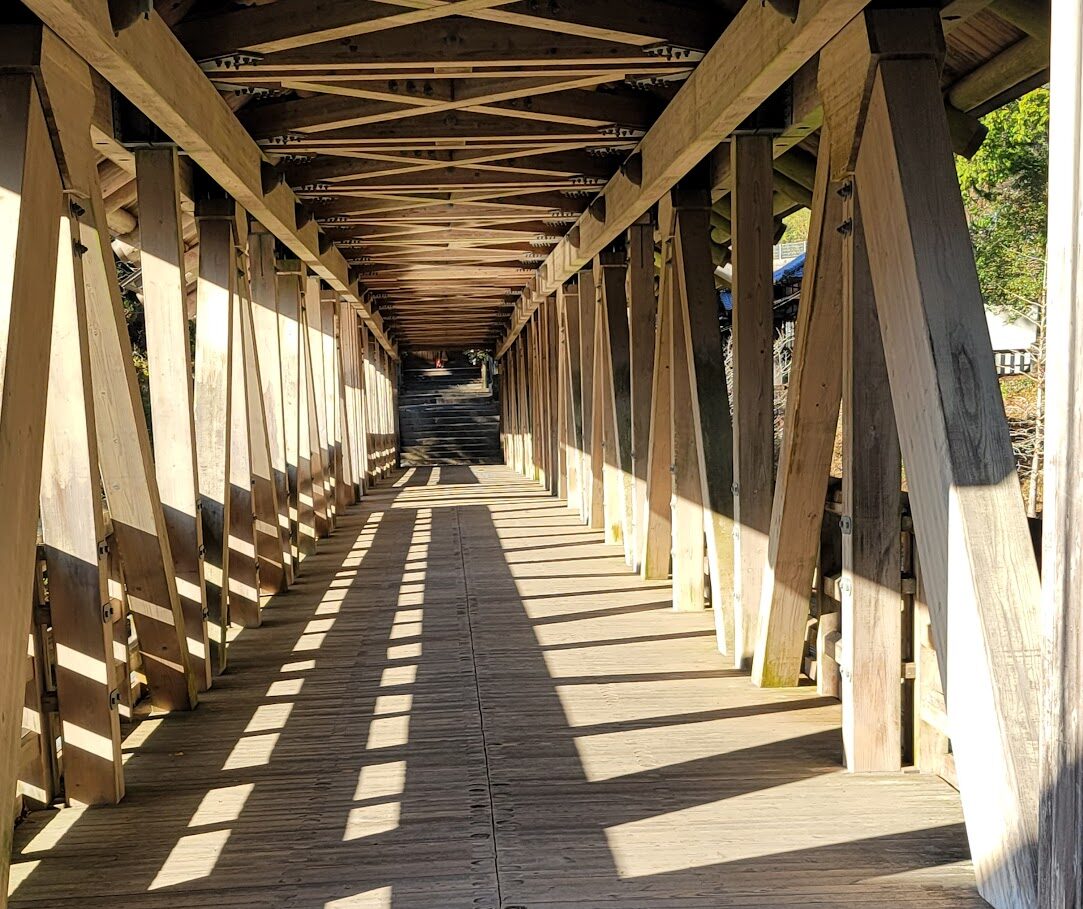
290, 278
871, 539
170, 365
610, 274
694, 293
752, 175
969, 519
1060, 843
552, 363
591, 486
368, 404
313, 441
265, 326
871, 615
642, 312
30, 211
123, 440
212, 399
689, 547
568, 300
812, 414
265, 507
73, 530
345, 352
244, 582
657, 536
332, 367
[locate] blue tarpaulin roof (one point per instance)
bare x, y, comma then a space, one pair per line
791, 271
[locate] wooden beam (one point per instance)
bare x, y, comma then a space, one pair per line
812, 413
150, 67
127, 468
243, 574
568, 298
312, 354
1060, 829
655, 555
697, 299
642, 311
73, 526
753, 380
30, 211
265, 324
872, 642
212, 398
969, 520
269, 550
610, 273
726, 87
591, 512
169, 361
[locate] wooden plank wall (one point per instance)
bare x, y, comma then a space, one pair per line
256, 447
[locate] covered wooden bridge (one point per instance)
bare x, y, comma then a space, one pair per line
251, 661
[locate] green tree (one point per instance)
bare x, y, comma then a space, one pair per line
1005, 193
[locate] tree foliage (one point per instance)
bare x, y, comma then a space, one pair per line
1005, 193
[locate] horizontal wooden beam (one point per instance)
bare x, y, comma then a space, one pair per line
148, 65
756, 54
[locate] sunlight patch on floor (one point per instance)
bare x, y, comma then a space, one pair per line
222, 805
194, 857
717, 832
252, 751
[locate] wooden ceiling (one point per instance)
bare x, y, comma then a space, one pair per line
447, 145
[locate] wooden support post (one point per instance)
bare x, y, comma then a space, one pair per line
169, 361
1060, 832
568, 298
124, 455
265, 327
552, 362
689, 549
346, 382
812, 415
243, 564
694, 293
31, 208
332, 369
73, 529
657, 536
290, 278
591, 506
871, 547
368, 404
642, 312
610, 274
211, 400
753, 379
970, 525
268, 535
313, 441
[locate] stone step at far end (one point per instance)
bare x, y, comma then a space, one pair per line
447, 416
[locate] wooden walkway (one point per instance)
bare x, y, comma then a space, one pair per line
468, 702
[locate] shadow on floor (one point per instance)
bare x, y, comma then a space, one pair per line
425, 722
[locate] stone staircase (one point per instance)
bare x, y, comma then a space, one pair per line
447, 416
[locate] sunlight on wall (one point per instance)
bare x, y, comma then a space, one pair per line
194, 857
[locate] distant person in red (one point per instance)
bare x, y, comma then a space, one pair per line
439, 361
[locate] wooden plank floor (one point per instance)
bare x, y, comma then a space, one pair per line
468, 701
